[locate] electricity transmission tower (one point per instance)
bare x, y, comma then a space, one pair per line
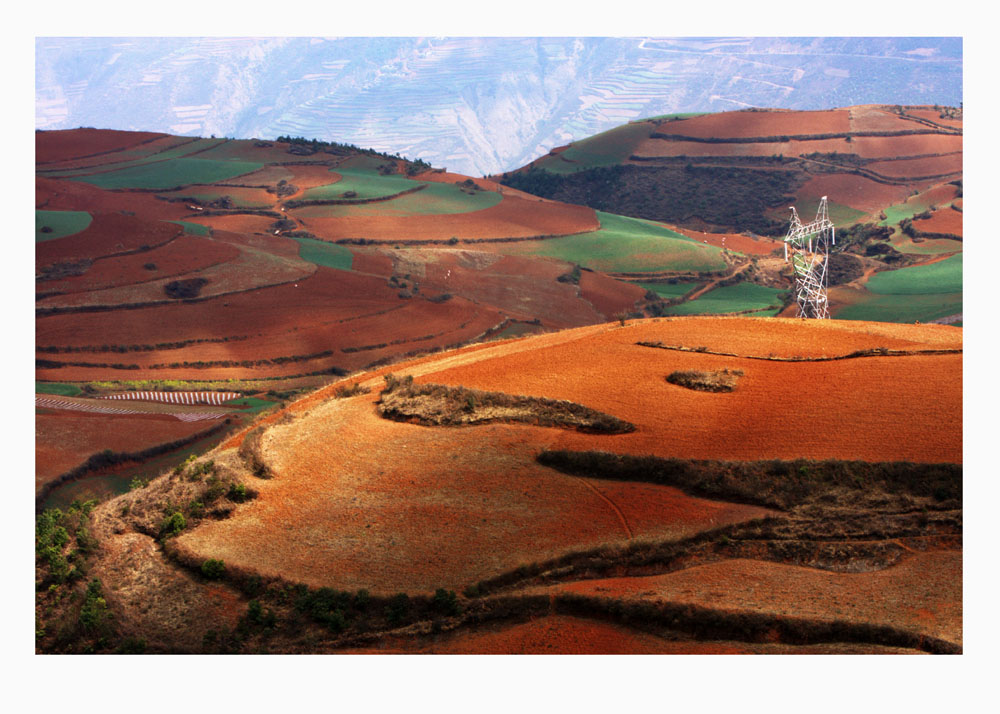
809, 247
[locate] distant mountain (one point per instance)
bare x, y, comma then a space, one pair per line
474, 105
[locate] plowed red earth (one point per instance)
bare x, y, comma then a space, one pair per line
251, 197
915, 168
249, 270
854, 191
935, 116
872, 147
53, 146
404, 507
399, 507
235, 223
922, 594
332, 310
610, 297
513, 217
108, 234
897, 408
565, 635
64, 440
943, 220
306, 177
185, 254
65, 195
753, 124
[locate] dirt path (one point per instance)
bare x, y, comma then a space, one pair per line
712, 285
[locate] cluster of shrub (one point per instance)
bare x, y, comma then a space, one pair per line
732, 197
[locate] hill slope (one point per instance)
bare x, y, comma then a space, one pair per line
403, 532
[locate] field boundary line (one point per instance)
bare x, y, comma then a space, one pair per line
877, 352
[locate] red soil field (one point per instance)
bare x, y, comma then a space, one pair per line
267, 242
935, 116
897, 408
911, 168
51, 146
237, 223
267, 176
380, 510
306, 177
759, 123
108, 234
513, 217
64, 440
890, 147
943, 220
566, 635
250, 270
854, 191
607, 295
327, 295
138, 152
182, 255
373, 261
733, 241
65, 195
526, 288
663, 147
252, 197
923, 593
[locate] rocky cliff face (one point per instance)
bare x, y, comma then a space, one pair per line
473, 105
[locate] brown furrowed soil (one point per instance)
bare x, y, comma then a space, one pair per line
58, 146
766, 123
513, 217
944, 220
108, 234
922, 594
354, 528
378, 511
182, 255
65, 439
569, 635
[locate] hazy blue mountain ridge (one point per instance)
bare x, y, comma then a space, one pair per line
473, 105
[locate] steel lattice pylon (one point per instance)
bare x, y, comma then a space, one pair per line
808, 244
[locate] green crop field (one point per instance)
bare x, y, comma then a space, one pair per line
840, 214
254, 404
922, 292
668, 291
434, 199
168, 174
903, 308
364, 184
66, 390
195, 229
62, 223
944, 276
606, 149
628, 245
320, 252
733, 298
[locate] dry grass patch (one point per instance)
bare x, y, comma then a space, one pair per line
440, 405
720, 380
